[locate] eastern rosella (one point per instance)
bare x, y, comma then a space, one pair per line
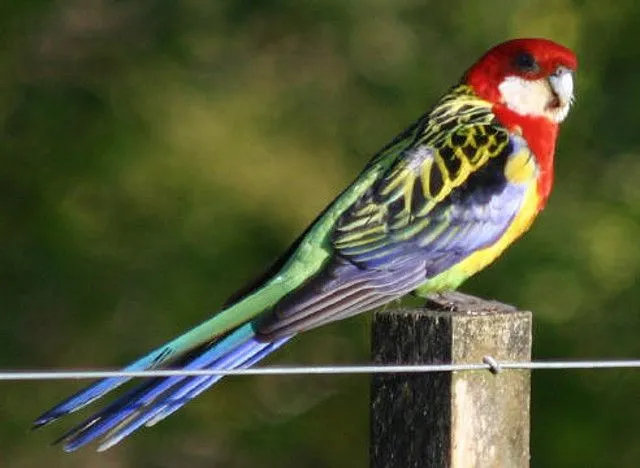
437, 204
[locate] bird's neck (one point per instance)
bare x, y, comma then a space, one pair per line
540, 134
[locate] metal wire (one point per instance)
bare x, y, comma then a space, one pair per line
489, 363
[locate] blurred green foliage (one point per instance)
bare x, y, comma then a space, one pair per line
155, 155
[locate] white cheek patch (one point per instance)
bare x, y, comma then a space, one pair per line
525, 97
533, 97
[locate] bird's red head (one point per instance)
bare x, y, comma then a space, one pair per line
531, 77
530, 83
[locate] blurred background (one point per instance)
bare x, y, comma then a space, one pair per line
154, 155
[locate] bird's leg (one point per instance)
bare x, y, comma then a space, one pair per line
449, 301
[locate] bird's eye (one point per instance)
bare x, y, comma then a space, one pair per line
525, 62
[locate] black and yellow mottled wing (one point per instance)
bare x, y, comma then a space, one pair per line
437, 193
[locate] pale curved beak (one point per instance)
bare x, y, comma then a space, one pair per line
561, 83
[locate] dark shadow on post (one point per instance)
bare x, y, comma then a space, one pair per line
451, 419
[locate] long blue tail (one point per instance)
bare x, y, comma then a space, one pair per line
156, 398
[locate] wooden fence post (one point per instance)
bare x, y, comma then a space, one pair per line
451, 419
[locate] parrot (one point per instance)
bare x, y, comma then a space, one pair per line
440, 202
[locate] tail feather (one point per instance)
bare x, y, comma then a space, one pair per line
127, 404
125, 408
156, 398
229, 319
200, 384
95, 391
180, 396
